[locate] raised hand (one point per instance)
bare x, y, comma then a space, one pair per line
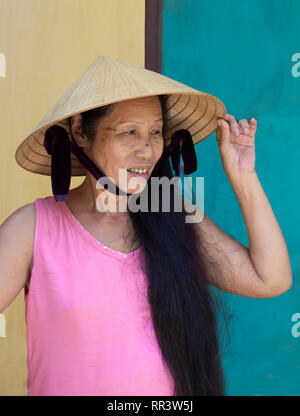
236, 141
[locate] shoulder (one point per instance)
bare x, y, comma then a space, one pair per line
209, 231
19, 226
17, 240
23, 215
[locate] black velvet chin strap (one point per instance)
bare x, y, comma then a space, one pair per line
58, 145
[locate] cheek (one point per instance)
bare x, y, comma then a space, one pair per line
110, 154
117, 159
159, 149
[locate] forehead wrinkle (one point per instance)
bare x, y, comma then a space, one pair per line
130, 121
138, 122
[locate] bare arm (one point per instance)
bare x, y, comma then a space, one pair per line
16, 252
229, 262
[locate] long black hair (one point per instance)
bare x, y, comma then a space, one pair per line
183, 308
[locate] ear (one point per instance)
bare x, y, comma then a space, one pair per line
77, 131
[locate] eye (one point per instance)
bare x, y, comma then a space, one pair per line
155, 132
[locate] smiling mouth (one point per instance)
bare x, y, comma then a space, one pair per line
145, 175
138, 171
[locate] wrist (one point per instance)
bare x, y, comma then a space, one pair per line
244, 184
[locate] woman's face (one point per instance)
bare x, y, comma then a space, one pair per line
129, 137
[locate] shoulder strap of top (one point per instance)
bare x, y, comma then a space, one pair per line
47, 224
47, 216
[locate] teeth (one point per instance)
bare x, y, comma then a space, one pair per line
138, 170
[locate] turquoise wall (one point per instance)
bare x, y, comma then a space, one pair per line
242, 53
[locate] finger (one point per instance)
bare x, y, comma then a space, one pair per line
223, 132
234, 125
244, 126
253, 126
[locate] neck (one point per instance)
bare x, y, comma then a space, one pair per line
97, 200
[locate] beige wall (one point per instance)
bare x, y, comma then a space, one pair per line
47, 45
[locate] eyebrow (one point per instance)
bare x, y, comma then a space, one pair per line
134, 121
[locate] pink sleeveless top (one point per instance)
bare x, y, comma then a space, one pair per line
88, 322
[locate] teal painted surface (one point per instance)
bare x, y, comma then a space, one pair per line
242, 52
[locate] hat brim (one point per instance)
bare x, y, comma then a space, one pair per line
197, 112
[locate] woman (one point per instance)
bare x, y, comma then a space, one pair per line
118, 302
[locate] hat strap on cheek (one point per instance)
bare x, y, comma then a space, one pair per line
58, 145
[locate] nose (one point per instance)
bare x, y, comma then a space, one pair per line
144, 148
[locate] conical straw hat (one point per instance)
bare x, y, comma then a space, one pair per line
108, 80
